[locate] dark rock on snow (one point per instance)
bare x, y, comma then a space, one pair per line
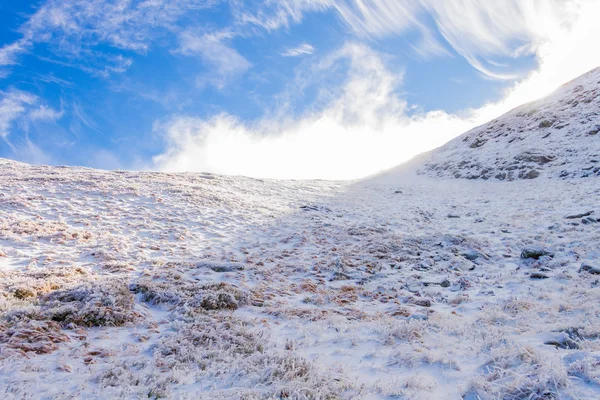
538, 275
590, 269
576, 216
535, 253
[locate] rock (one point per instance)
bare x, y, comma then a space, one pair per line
535, 253
532, 174
257, 302
588, 220
478, 143
538, 275
589, 269
577, 216
418, 301
534, 157
563, 343
419, 317
546, 123
341, 276
445, 283
222, 267
2, 254
317, 208
471, 255
413, 288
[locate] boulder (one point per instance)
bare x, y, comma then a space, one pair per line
538, 275
589, 269
419, 301
535, 253
582, 215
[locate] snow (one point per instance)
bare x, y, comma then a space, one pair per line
149, 285
557, 136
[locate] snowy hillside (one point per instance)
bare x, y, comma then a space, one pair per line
557, 136
149, 285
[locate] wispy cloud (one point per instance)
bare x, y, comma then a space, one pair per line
363, 124
213, 49
363, 127
17, 110
81, 117
300, 50
478, 30
9, 53
73, 29
13, 104
273, 15
45, 113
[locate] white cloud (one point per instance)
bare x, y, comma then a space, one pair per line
364, 127
123, 24
300, 50
273, 15
9, 53
13, 105
478, 30
74, 28
45, 113
19, 108
213, 49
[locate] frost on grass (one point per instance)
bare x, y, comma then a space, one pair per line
519, 372
24, 336
170, 284
206, 344
36, 305
105, 303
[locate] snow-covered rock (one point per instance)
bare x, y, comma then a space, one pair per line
556, 136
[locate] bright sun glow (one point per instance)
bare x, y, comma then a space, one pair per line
366, 128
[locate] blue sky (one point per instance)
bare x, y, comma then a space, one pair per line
305, 88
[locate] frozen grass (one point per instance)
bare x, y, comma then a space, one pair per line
36, 307
170, 284
143, 285
514, 372
25, 336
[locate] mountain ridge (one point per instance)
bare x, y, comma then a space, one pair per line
556, 136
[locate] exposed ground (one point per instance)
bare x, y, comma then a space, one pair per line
145, 285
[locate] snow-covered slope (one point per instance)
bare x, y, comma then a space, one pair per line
185, 286
199, 286
557, 136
